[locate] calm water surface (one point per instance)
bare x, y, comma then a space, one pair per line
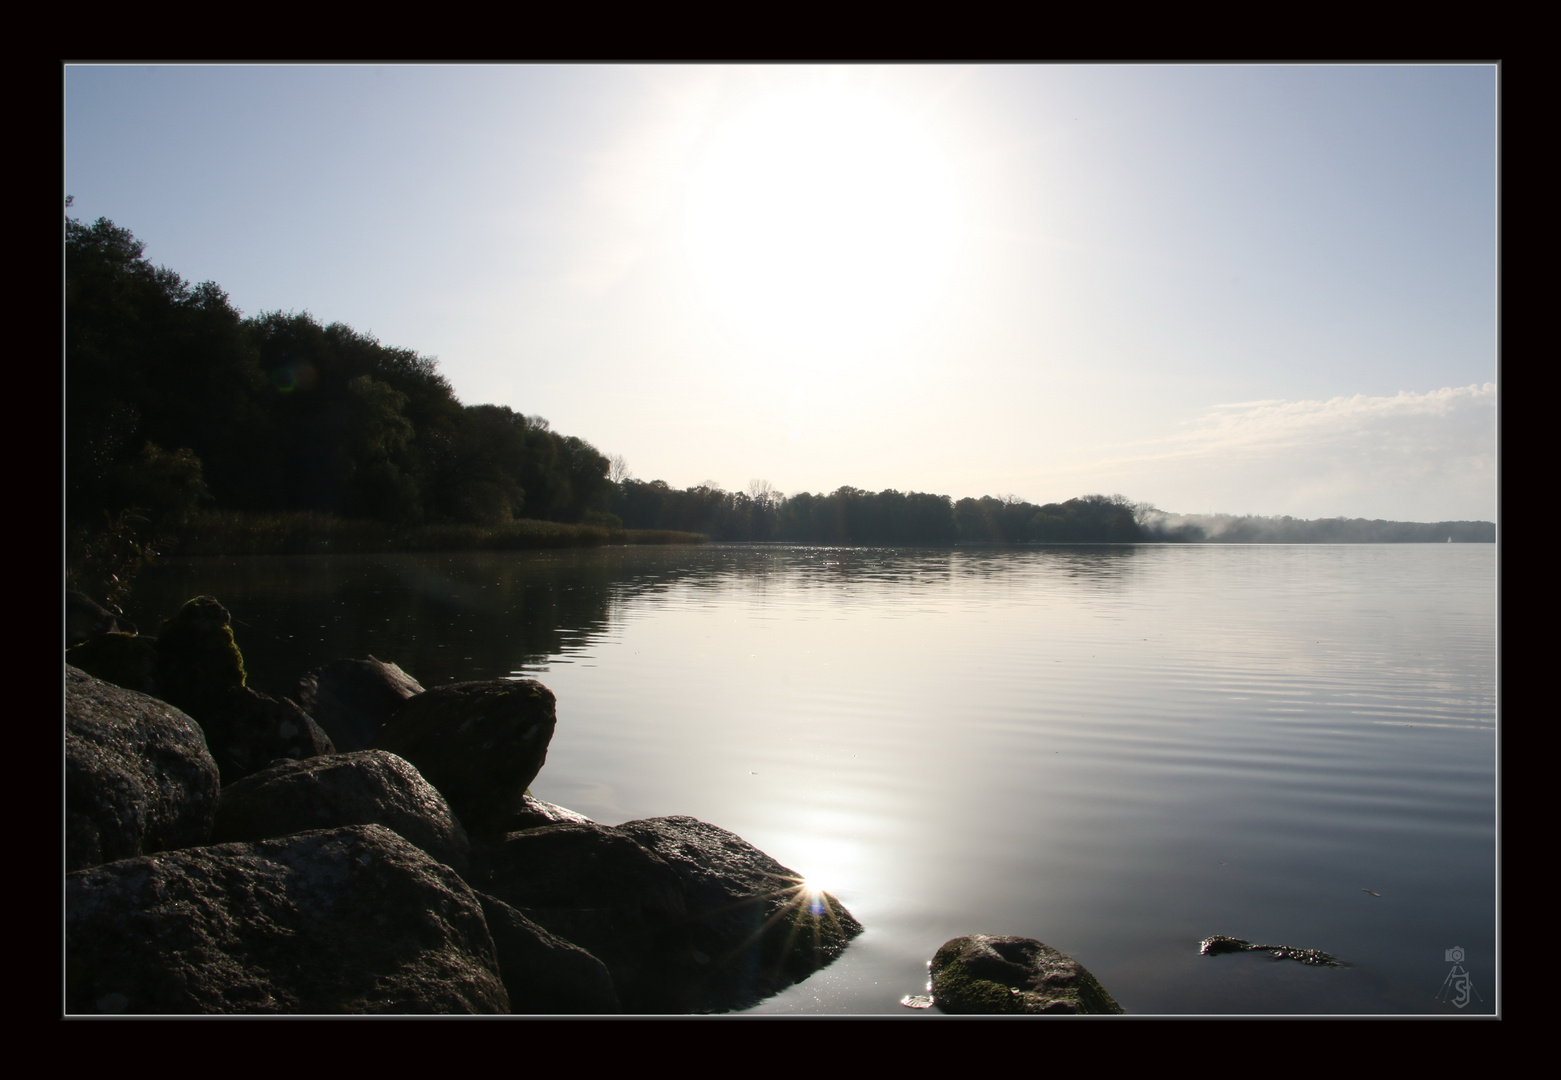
1118, 750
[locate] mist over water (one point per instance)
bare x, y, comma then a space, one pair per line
1118, 750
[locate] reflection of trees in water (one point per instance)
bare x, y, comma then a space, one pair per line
492, 614
1086, 565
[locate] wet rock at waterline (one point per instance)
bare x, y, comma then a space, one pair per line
352, 920
354, 699
543, 973
687, 917
1219, 943
982, 973
599, 889
138, 776
535, 812
480, 743
758, 925
370, 787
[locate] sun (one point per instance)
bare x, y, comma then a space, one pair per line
822, 218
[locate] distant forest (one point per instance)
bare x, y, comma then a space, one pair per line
176, 405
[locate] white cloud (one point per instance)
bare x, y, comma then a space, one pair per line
1412, 456
1407, 421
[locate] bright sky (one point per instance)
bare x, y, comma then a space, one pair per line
1264, 289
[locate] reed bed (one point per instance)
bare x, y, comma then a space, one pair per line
301, 533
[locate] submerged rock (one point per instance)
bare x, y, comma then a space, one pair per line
982, 973
138, 776
1219, 943
352, 920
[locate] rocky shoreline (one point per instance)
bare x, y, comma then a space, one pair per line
372, 847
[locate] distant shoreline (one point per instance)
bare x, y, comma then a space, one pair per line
237, 533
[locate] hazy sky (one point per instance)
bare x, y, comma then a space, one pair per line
1242, 289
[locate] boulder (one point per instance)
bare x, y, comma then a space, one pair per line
758, 925
535, 812
85, 619
981, 973
601, 890
128, 660
543, 973
353, 699
352, 920
247, 731
480, 743
370, 787
687, 917
138, 777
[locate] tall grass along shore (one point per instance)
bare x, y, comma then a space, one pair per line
302, 533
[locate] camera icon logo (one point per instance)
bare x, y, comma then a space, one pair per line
1455, 955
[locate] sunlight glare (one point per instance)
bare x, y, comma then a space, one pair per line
823, 219
811, 896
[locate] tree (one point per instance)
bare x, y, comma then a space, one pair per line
763, 492
148, 358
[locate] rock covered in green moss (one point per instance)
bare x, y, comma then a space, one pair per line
983, 973
197, 658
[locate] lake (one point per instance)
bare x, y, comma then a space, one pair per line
1116, 749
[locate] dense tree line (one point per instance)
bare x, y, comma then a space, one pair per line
175, 401
853, 516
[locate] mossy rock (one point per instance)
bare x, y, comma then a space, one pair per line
987, 974
197, 658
